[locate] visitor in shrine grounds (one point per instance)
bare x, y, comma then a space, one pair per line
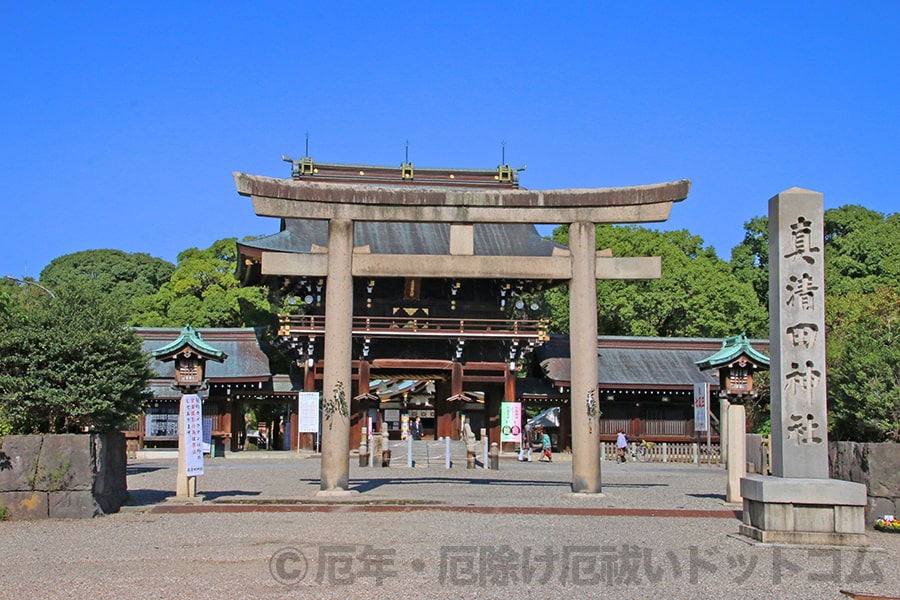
545, 444
621, 444
417, 429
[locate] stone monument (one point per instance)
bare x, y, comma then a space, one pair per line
471, 445
799, 504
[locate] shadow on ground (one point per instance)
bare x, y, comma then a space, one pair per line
367, 485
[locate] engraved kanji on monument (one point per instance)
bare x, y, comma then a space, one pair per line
797, 334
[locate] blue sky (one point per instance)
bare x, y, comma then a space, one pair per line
122, 122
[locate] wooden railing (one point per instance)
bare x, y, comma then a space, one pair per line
660, 427
428, 327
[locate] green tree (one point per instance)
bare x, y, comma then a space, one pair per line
863, 364
862, 248
862, 279
204, 292
113, 273
750, 258
697, 296
69, 364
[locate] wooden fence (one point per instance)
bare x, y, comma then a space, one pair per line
690, 452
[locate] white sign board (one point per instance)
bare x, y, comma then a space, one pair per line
510, 421
192, 417
308, 412
701, 407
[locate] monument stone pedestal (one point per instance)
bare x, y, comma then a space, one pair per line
782, 510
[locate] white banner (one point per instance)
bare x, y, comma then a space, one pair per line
192, 418
701, 406
308, 412
510, 421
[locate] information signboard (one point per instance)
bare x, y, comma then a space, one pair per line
308, 412
192, 416
701, 407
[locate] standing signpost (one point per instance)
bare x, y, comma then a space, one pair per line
701, 415
308, 414
190, 354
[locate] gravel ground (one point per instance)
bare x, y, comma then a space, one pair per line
427, 553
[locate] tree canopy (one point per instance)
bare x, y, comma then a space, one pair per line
863, 361
114, 273
697, 296
69, 364
204, 292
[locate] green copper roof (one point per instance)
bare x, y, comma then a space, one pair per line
732, 349
192, 338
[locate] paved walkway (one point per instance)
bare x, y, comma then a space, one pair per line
262, 478
658, 531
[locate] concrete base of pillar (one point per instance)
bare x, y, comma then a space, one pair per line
821, 512
585, 495
335, 494
185, 499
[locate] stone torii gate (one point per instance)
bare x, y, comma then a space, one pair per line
342, 204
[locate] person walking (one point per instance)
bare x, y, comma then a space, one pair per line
621, 444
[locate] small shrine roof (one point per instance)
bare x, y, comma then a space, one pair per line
732, 349
191, 338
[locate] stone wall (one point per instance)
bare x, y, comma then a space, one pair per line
62, 476
877, 466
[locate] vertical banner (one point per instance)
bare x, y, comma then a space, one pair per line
207, 435
308, 412
510, 421
404, 426
192, 416
701, 407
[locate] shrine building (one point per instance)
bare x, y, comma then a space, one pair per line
448, 343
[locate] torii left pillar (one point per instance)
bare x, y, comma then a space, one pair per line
583, 351
337, 379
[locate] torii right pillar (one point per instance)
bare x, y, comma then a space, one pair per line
799, 504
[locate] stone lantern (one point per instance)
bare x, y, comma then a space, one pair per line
189, 353
737, 363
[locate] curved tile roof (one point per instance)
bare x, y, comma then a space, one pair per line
245, 360
732, 349
299, 235
636, 362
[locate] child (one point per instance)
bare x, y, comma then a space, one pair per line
545, 445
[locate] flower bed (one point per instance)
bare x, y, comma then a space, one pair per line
888, 524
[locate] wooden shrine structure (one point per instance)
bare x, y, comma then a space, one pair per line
406, 271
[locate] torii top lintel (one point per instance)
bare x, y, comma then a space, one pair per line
300, 199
